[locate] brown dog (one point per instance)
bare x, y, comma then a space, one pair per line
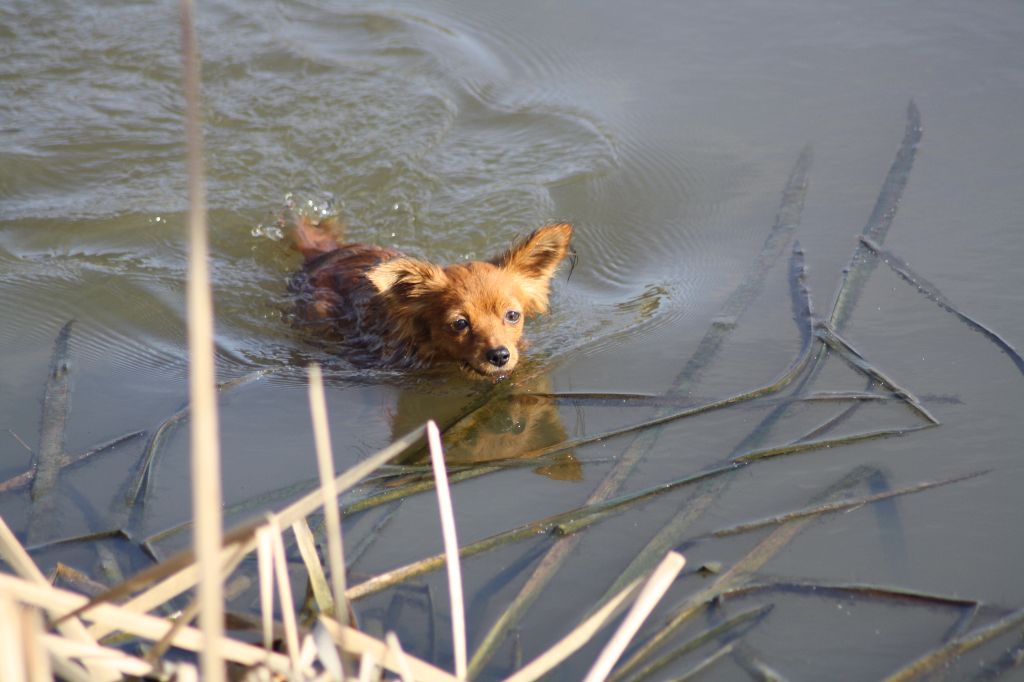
389, 310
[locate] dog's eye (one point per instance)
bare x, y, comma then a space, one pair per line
460, 324
512, 316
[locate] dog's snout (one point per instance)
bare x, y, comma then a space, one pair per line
498, 356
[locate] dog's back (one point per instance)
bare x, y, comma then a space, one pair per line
334, 299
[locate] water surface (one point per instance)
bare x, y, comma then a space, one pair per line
666, 134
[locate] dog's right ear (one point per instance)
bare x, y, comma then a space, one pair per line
407, 278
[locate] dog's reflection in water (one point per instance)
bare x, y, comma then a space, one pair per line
513, 425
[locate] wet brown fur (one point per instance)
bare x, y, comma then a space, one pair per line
389, 310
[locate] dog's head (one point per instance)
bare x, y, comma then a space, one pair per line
473, 313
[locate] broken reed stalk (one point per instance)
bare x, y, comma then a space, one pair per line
395, 650
575, 640
451, 549
842, 347
651, 593
140, 478
360, 643
205, 437
142, 625
332, 517
265, 570
18, 559
930, 291
27, 477
306, 543
284, 590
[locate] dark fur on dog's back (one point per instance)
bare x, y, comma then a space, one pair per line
334, 299
387, 310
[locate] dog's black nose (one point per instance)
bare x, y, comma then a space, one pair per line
498, 356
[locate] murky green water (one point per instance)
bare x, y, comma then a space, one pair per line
666, 134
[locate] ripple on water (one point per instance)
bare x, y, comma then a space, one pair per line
422, 126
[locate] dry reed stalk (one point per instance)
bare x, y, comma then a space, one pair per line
317, 580
359, 642
653, 590
205, 437
367, 667
332, 517
117, 659
265, 568
141, 625
284, 590
395, 650
13, 662
179, 572
186, 673
37, 663
18, 559
451, 549
575, 640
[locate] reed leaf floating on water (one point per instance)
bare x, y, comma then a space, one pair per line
842, 505
945, 654
856, 274
877, 227
901, 268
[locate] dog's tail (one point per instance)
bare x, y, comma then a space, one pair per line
313, 238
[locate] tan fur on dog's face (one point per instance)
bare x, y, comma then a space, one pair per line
473, 313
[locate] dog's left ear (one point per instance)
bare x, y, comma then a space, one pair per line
535, 260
